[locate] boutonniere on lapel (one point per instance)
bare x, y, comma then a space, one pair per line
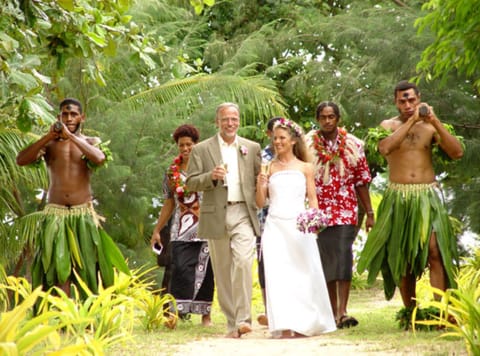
243, 150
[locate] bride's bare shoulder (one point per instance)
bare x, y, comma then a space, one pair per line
307, 167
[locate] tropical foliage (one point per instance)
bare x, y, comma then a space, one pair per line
38, 41
273, 58
39, 38
18, 189
459, 308
456, 45
37, 322
324, 52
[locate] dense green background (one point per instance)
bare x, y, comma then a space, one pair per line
142, 68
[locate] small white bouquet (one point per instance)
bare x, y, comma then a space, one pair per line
311, 221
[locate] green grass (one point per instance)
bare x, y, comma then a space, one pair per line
378, 326
377, 332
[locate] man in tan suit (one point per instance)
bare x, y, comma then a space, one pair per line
225, 168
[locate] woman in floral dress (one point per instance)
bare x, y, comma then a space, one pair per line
192, 277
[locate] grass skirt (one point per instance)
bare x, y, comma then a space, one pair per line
398, 243
71, 238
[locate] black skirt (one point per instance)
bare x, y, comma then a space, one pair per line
335, 246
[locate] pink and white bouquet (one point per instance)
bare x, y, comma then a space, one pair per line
311, 221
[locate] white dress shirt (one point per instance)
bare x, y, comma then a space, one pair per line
230, 157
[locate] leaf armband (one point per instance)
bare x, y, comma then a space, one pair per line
441, 160
374, 136
103, 146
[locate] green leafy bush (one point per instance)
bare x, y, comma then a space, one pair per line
459, 309
38, 322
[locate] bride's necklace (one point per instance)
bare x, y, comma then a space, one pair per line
282, 163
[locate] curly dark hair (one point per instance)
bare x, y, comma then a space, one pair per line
186, 131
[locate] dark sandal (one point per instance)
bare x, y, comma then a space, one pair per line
346, 321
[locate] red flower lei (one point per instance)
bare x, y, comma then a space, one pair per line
175, 177
325, 155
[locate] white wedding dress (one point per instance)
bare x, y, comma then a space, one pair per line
297, 295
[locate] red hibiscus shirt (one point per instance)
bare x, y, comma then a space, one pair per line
337, 197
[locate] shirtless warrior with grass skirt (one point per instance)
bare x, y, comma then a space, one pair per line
70, 243
413, 230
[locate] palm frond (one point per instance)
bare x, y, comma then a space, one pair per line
257, 96
19, 235
13, 181
11, 142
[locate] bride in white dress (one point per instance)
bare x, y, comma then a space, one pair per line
297, 297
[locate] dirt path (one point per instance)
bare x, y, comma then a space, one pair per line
367, 339
259, 343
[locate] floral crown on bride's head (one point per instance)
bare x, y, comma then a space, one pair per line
292, 126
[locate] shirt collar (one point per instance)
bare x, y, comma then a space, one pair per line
222, 142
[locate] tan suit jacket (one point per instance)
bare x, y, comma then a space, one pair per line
203, 158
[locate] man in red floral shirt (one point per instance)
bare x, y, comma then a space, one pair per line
342, 174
